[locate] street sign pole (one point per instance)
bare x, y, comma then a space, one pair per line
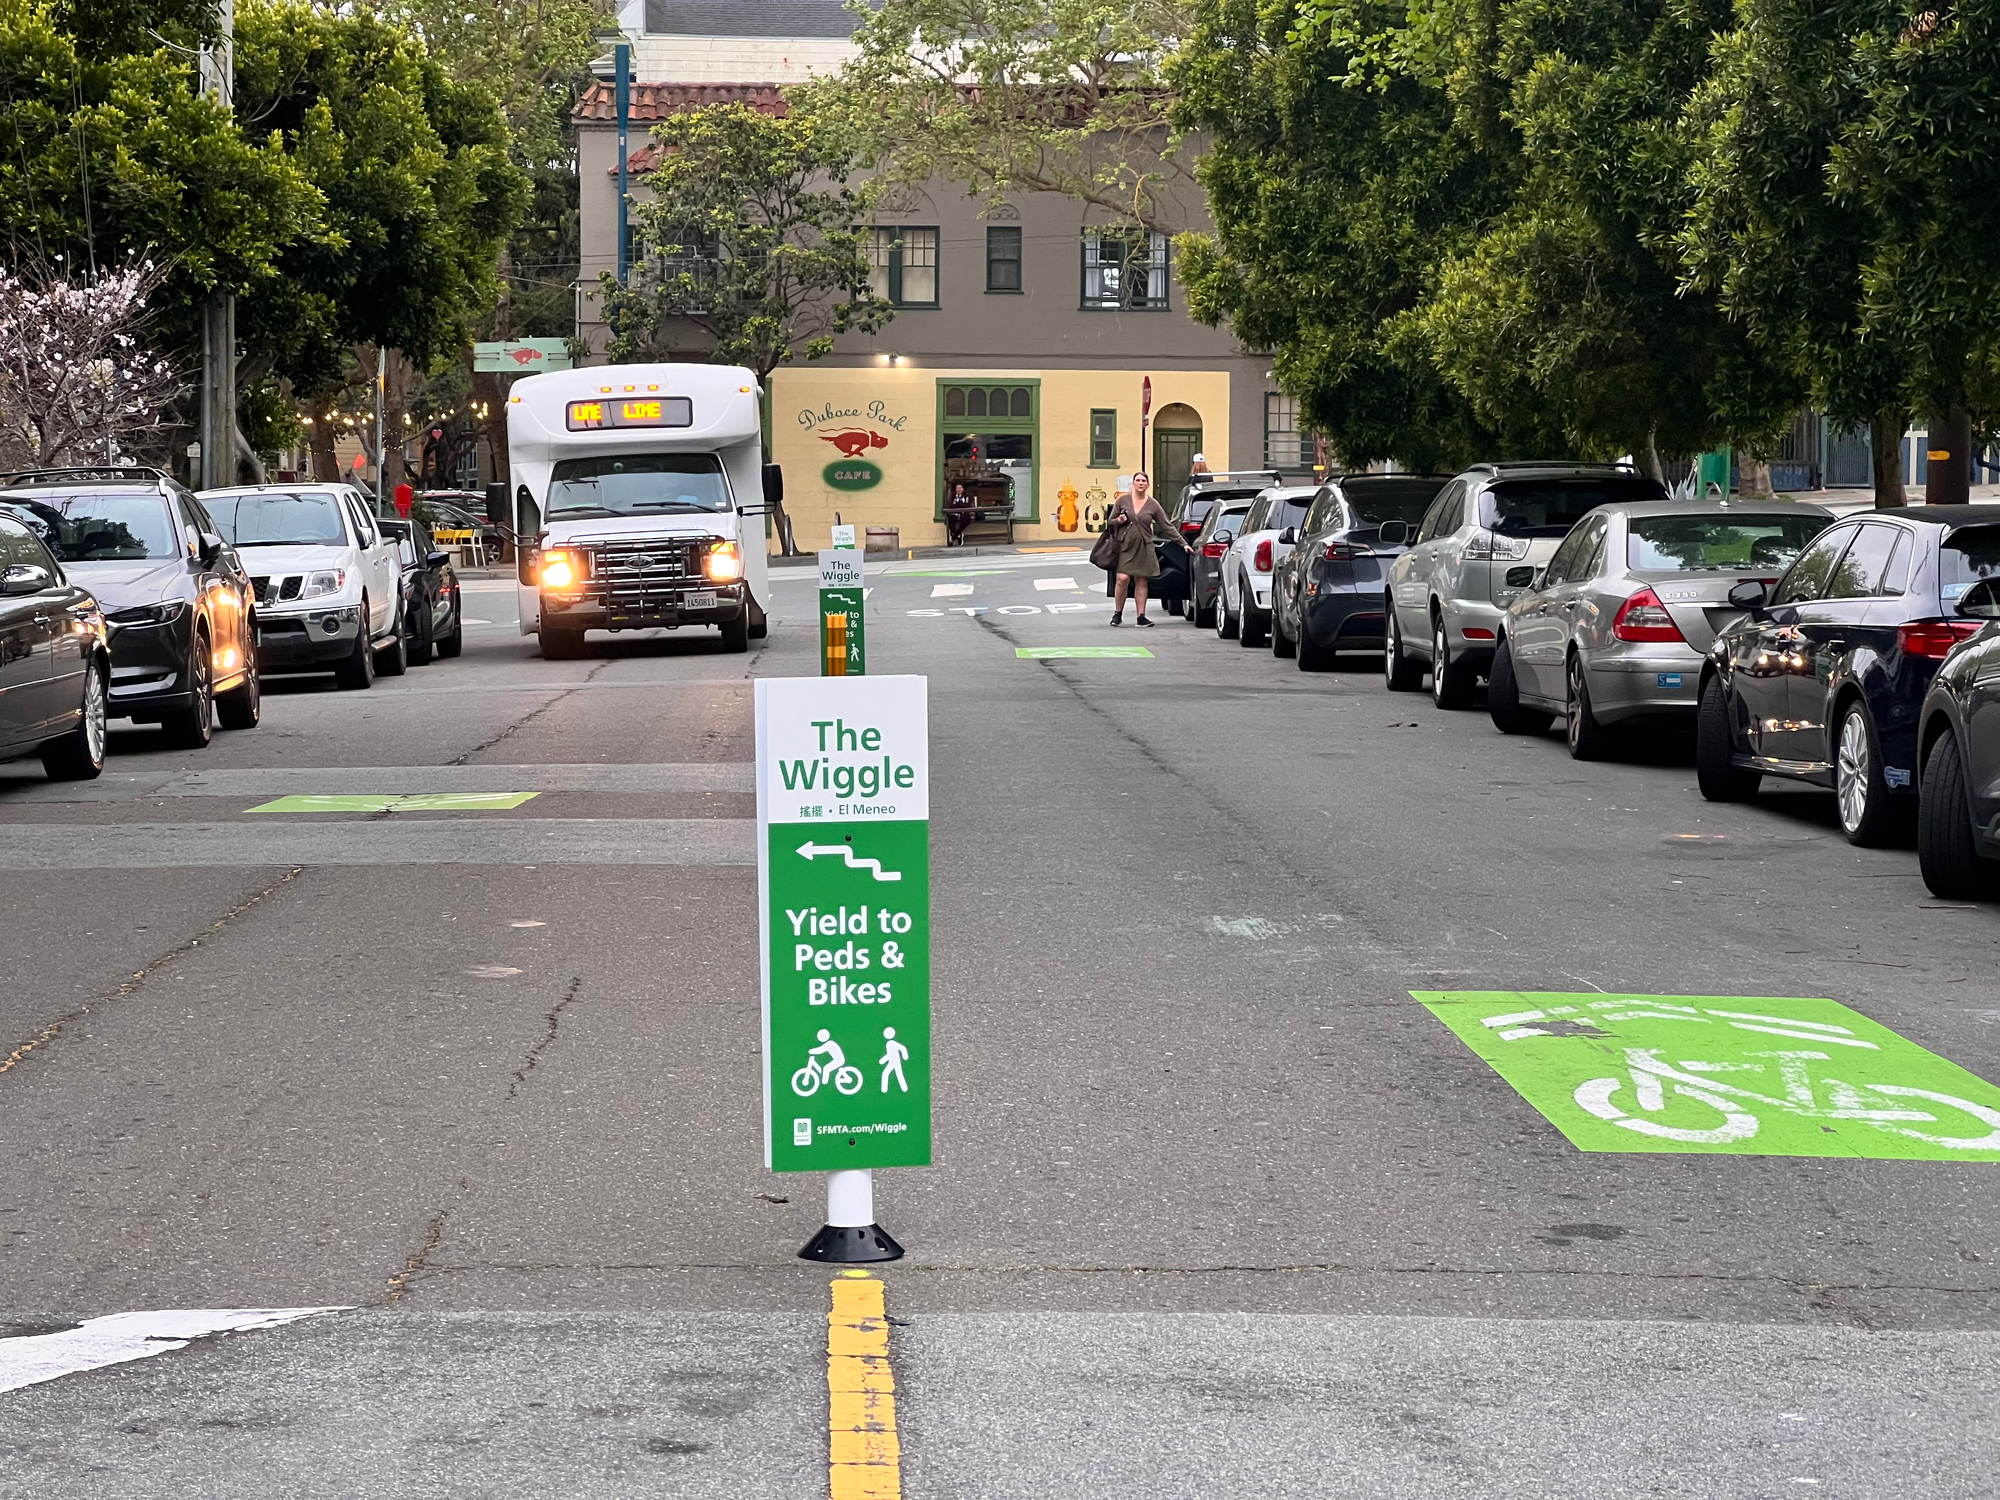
843, 825
1146, 421
843, 640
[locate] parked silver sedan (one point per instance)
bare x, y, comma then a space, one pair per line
1615, 626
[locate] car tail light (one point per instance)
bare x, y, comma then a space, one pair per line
1189, 528
1478, 633
1644, 618
1214, 549
1346, 551
1932, 639
1261, 558
1484, 546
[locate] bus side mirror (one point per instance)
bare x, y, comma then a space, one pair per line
774, 484
496, 506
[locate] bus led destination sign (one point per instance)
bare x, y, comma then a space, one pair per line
630, 411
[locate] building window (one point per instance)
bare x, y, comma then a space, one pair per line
1104, 440
1003, 258
986, 442
1124, 269
904, 265
1285, 445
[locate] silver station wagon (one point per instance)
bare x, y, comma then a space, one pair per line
1616, 625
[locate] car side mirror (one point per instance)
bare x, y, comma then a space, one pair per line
1540, 573
25, 578
436, 559
1751, 593
1224, 537
1393, 533
1981, 601
1289, 537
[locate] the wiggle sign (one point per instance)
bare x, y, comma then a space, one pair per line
630, 411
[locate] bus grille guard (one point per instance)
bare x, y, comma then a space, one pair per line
641, 581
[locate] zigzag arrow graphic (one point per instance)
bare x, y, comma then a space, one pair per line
813, 851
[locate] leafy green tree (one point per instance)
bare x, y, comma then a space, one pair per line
1339, 175
754, 236
107, 155
1007, 96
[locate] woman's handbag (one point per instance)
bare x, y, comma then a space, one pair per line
1104, 551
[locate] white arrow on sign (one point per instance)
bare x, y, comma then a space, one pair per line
813, 851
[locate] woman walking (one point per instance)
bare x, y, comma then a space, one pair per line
1139, 516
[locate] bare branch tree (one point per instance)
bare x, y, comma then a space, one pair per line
79, 379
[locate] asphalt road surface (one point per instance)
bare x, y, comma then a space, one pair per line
1219, 1206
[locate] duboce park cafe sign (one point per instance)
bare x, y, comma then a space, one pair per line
854, 433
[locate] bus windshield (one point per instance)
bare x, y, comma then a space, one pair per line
638, 484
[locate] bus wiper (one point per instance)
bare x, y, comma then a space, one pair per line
581, 510
665, 505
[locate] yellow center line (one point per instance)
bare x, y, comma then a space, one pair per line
864, 1460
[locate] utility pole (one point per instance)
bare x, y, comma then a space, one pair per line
218, 315
622, 87
381, 458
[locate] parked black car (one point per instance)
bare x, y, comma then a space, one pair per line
1958, 748
432, 625
1327, 594
180, 609
55, 660
1824, 679
1210, 542
461, 510
1201, 494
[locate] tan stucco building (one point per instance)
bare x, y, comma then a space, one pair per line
1023, 340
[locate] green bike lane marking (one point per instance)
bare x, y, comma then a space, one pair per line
1744, 1076
405, 802
1050, 653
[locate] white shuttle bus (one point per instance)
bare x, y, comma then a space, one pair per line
639, 501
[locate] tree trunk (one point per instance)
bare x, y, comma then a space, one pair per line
1754, 478
325, 462
491, 397
1885, 445
1654, 465
1948, 472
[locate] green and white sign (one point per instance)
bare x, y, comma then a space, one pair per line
843, 823
522, 356
1741, 1076
843, 600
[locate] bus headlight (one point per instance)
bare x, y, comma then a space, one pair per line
560, 570
724, 563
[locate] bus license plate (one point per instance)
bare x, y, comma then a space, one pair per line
704, 599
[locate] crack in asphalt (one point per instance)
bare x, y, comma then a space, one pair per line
415, 1264
131, 986
535, 1052
530, 716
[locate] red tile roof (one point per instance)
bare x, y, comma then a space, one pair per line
655, 101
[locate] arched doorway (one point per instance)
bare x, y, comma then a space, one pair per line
1176, 440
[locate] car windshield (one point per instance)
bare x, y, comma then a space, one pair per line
1714, 544
1197, 510
1374, 501
1550, 507
269, 518
636, 484
1966, 557
120, 526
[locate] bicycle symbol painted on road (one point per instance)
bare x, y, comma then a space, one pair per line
1705, 1073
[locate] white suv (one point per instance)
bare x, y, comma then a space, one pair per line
328, 580
1243, 595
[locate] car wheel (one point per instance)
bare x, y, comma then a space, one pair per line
449, 646
242, 707
1867, 812
1588, 739
1252, 628
191, 728
357, 669
736, 634
1503, 697
1947, 852
1399, 673
561, 645
1201, 619
760, 624
1282, 646
1451, 682
1715, 772
1311, 657
79, 755
1225, 623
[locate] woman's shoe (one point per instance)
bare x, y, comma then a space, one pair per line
1117, 620
1142, 620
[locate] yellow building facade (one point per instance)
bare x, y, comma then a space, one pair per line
880, 445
